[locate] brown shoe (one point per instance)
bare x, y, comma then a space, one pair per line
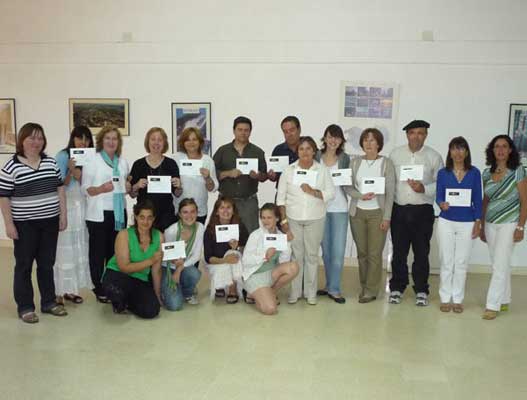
458, 308
489, 315
367, 299
445, 307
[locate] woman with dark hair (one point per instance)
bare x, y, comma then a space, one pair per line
333, 157
138, 255
370, 213
459, 221
504, 215
156, 164
266, 269
33, 205
304, 190
105, 183
178, 280
72, 269
197, 187
224, 259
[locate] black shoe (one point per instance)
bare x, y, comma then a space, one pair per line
339, 300
322, 292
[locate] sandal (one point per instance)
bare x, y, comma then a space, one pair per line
73, 298
458, 308
246, 298
445, 307
60, 300
219, 293
29, 317
57, 310
232, 298
103, 299
489, 315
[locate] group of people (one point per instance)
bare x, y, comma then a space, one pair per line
72, 219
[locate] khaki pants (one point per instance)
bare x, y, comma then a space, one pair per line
369, 239
305, 246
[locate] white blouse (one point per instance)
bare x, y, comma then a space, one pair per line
195, 253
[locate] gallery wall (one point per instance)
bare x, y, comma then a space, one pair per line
265, 61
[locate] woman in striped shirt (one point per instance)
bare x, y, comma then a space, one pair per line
33, 205
504, 215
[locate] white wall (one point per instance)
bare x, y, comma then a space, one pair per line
267, 60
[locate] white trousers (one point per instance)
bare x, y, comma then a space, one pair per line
501, 244
455, 245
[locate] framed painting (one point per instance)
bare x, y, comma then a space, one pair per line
197, 115
7, 126
97, 113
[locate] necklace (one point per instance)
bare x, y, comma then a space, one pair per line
370, 162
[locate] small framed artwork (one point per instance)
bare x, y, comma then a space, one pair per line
518, 129
7, 126
97, 113
197, 115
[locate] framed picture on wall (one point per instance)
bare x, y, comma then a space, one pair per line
97, 113
7, 126
197, 115
518, 129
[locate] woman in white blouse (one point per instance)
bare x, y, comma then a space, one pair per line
105, 184
304, 190
266, 269
197, 187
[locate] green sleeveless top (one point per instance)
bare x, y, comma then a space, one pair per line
269, 264
137, 254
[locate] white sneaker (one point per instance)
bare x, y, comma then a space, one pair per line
395, 297
192, 300
421, 299
292, 300
312, 301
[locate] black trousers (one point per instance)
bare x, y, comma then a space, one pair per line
37, 241
411, 225
128, 292
101, 247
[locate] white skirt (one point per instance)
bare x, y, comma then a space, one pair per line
72, 269
224, 275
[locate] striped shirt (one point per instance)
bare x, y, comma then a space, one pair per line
33, 192
504, 199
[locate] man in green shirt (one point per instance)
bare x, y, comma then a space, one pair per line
233, 182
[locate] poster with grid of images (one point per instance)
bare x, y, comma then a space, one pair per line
518, 129
368, 102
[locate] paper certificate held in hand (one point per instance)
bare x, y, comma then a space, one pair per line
458, 197
276, 240
226, 233
414, 172
118, 184
190, 167
341, 177
305, 176
246, 165
277, 163
373, 185
82, 155
159, 184
173, 250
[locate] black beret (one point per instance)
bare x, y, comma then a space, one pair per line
416, 123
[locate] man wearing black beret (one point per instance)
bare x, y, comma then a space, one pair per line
416, 168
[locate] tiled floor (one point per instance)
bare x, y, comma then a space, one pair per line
219, 351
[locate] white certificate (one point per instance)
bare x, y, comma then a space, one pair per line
373, 185
414, 172
246, 165
225, 233
173, 250
159, 184
82, 155
458, 197
305, 176
276, 240
277, 163
190, 167
118, 184
341, 177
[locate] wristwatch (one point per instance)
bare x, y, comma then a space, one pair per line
284, 221
520, 228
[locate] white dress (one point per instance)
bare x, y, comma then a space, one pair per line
72, 269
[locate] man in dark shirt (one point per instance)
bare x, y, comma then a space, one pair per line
291, 128
242, 188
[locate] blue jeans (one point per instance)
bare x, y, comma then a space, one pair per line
173, 298
333, 248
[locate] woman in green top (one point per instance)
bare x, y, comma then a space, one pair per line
504, 215
126, 280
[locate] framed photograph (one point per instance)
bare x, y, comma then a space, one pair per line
97, 113
518, 129
197, 115
7, 126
